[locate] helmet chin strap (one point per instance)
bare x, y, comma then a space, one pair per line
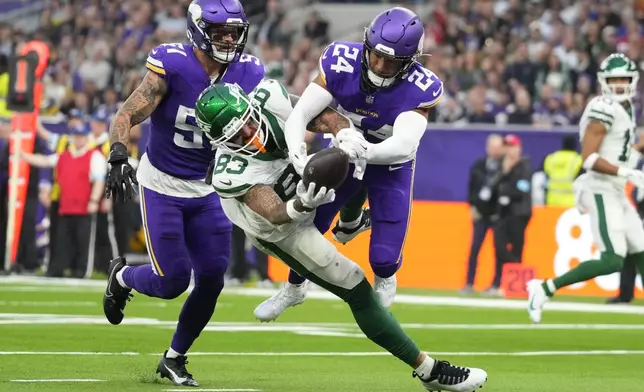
379, 81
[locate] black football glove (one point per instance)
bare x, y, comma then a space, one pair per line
121, 180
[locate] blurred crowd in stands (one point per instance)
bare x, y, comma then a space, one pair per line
508, 61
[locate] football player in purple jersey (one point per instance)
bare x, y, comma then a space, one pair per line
387, 94
185, 227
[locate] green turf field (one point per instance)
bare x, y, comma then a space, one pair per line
57, 332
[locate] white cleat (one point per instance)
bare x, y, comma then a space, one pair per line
386, 289
289, 295
344, 235
447, 377
537, 297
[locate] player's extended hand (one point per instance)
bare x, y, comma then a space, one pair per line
636, 177
299, 158
312, 199
121, 181
353, 143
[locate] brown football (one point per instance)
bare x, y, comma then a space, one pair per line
328, 168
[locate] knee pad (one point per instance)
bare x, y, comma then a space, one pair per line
342, 272
612, 262
174, 287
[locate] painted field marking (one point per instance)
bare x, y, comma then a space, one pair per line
62, 380
214, 390
345, 354
75, 285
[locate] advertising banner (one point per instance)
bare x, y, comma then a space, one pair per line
438, 243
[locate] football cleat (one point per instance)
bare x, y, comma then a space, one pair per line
116, 296
447, 377
344, 235
537, 297
289, 295
174, 369
386, 289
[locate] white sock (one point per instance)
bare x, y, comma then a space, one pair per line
551, 286
119, 277
172, 354
351, 225
425, 369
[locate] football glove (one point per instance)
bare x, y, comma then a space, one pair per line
353, 143
636, 177
121, 180
311, 199
299, 158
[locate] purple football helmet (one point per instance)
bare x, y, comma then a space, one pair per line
219, 28
396, 35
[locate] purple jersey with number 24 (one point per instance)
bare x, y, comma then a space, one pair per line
177, 146
375, 114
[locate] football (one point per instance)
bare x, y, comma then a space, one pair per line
327, 168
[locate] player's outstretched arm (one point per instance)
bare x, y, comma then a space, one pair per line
409, 128
138, 106
592, 140
329, 121
264, 201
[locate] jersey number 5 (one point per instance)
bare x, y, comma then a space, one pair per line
183, 139
343, 52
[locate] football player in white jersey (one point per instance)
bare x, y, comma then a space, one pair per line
607, 131
262, 193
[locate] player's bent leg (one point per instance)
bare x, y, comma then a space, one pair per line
608, 228
390, 193
317, 259
208, 238
325, 214
168, 274
353, 218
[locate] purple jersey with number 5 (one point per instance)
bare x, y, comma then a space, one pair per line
176, 145
375, 113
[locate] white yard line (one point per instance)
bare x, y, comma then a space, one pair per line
213, 390
75, 285
344, 354
62, 380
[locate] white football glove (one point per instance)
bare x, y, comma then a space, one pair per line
353, 143
311, 199
299, 159
636, 177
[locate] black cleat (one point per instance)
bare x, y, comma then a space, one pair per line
116, 296
344, 235
447, 377
174, 369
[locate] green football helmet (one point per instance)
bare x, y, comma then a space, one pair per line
617, 65
230, 119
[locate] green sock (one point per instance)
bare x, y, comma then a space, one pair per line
379, 325
638, 258
352, 210
606, 265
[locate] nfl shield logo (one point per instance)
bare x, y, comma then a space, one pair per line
369, 99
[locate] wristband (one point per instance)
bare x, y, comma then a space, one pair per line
622, 171
589, 162
294, 214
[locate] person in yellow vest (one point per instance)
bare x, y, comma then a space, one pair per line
562, 167
5, 115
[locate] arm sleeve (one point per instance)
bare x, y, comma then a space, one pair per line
409, 128
98, 167
312, 102
52, 159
